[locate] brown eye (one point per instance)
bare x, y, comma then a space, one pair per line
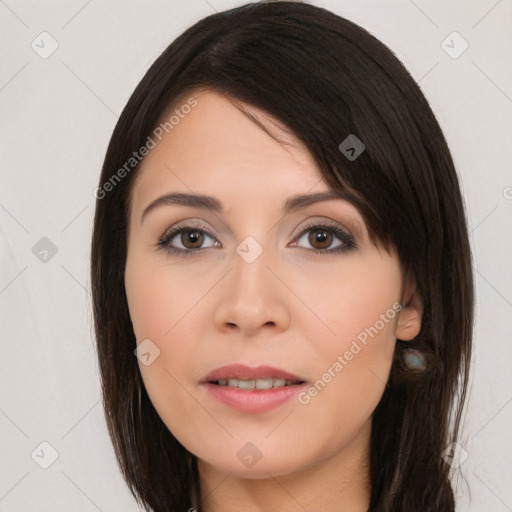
320, 238
192, 238
188, 239
325, 238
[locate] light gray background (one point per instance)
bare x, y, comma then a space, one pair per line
57, 115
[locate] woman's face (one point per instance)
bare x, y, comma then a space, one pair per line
265, 283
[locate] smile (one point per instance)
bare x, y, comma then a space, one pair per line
248, 384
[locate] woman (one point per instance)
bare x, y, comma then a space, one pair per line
281, 274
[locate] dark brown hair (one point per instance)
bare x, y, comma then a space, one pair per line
324, 78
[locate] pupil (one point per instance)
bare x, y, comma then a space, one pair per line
192, 237
320, 236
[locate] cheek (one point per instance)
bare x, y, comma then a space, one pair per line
348, 386
161, 306
352, 358
359, 302
159, 297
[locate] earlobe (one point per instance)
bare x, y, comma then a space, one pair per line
409, 318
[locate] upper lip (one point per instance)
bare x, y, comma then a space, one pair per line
241, 371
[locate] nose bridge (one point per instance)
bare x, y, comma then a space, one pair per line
250, 250
252, 297
251, 275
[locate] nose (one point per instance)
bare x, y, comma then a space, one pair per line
252, 297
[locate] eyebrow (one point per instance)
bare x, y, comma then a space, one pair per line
212, 203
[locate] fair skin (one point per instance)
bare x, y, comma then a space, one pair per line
290, 308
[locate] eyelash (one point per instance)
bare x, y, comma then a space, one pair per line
330, 226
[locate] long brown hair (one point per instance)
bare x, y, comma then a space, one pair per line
325, 78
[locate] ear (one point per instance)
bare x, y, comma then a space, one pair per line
409, 318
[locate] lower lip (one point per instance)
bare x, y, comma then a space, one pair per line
253, 400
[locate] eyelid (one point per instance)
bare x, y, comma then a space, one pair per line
342, 233
190, 224
324, 221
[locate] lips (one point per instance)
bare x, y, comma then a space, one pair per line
252, 389
244, 372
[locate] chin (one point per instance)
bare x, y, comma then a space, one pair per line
261, 470
262, 465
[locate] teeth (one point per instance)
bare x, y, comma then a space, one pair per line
246, 384
267, 383
264, 383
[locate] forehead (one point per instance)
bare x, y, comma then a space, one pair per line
216, 146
